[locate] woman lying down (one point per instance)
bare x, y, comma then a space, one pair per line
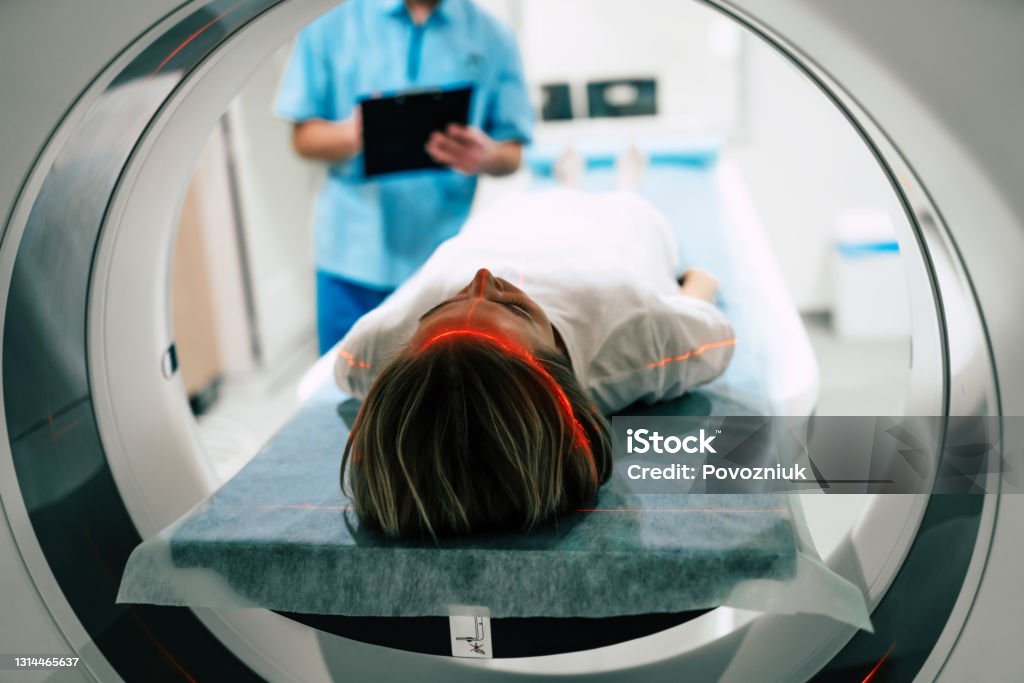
484, 394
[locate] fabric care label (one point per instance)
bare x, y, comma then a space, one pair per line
470, 628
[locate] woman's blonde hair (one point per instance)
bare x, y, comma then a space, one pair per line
470, 434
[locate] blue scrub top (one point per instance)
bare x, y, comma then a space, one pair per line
376, 232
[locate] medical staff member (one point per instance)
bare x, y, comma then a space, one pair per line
370, 235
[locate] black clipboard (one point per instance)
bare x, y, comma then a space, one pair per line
396, 128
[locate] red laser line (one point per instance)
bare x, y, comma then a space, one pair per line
136, 619
352, 360
472, 310
476, 300
694, 352
64, 430
871, 674
579, 434
192, 37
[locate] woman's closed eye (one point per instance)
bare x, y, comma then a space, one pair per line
437, 308
518, 306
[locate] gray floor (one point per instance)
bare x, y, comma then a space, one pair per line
859, 377
250, 410
856, 378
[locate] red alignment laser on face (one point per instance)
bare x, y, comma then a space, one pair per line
579, 435
476, 300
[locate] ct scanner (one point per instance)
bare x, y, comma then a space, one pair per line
105, 108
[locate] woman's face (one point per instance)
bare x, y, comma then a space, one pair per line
493, 306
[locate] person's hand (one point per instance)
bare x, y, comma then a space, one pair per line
467, 150
331, 141
351, 130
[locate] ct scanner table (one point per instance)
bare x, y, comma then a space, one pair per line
107, 108
280, 534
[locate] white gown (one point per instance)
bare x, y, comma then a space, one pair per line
603, 268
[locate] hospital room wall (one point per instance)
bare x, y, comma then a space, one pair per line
803, 164
689, 49
276, 191
805, 167
261, 209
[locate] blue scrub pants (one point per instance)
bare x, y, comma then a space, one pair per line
339, 303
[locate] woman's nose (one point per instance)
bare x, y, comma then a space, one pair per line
483, 282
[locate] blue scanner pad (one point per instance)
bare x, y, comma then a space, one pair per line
282, 536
